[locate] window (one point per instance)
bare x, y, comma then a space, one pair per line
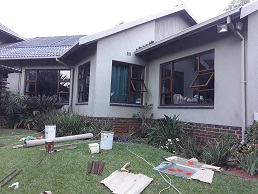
48, 82
83, 82
188, 81
127, 84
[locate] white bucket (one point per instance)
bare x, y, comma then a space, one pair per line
94, 148
106, 140
50, 131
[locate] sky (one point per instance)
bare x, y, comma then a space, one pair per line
40, 18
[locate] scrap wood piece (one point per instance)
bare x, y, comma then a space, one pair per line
11, 178
193, 162
126, 183
100, 168
96, 166
90, 165
6, 176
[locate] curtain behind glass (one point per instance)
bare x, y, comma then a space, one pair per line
119, 83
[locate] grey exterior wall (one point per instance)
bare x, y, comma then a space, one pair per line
119, 47
252, 67
169, 25
227, 109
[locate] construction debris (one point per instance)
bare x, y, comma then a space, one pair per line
57, 139
96, 166
12, 175
188, 168
15, 185
126, 183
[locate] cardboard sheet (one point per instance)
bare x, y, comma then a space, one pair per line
126, 183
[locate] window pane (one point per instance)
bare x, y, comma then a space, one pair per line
166, 99
183, 75
120, 83
64, 86
31, 75
166, 70
202, 80
166, 85
206, 62
47, 82
207, 97
30, 87
138, 86
83, 82
137, 72
65, 75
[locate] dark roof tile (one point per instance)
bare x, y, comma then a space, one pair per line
39, 47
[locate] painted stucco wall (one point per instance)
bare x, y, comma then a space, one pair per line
116, 47
227, 110
252, 67
85, 109
169, 25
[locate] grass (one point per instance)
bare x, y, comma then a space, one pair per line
65, 171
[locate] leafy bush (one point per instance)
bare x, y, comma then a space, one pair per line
218, 151
70, 124
190, 147
251, 134
21, 110
146, 120
249, 162
168, 130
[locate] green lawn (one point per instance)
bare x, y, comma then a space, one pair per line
64, 172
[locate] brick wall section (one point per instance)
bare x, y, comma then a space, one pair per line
206, 132
121, 126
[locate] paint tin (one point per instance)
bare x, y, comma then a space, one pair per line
49, 145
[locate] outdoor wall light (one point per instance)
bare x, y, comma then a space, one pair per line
222, 28
239, 25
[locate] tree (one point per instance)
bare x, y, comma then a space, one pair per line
236, 4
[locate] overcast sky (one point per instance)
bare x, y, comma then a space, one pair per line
36, 18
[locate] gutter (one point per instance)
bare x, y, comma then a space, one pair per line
71, 82
243, 77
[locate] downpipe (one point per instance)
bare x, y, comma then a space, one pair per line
243, 77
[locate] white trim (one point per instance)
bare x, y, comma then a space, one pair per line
248, 9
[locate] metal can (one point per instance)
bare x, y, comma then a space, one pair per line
49, 146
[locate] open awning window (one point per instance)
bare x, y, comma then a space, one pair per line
202, 80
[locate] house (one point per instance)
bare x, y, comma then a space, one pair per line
169, 60
90, 62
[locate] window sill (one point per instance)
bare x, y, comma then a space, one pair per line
81, 103
127, 105
187, 107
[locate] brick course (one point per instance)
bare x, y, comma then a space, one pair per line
204, 132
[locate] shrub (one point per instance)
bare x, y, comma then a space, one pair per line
168, 130
218, 151
251, 134
146, 120
21, 110
249, 162
70, 124
190, 147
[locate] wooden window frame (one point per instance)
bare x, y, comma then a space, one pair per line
85, 83
200, 88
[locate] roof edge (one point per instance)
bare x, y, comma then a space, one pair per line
188, 31
129, 25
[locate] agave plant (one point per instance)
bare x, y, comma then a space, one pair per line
167, 129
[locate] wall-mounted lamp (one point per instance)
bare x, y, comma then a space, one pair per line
239, 25
222, 28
